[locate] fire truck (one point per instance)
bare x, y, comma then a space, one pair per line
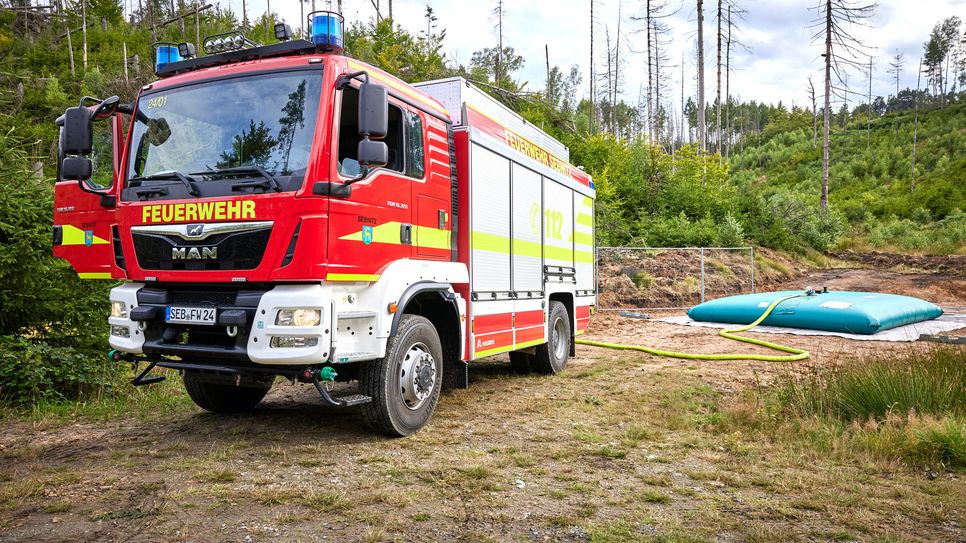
285, 210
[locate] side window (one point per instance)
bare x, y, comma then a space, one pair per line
416, 157
349, 136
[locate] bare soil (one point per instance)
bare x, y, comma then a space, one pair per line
617, 448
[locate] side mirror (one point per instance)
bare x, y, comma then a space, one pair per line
77, 168
78, 133
372, 154
373, 111
106, 108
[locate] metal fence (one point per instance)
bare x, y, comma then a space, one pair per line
638, 278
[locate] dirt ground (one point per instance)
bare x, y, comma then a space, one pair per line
614, 449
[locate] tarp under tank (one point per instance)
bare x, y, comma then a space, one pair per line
835, 311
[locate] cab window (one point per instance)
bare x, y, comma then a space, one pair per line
415, 154
349, 136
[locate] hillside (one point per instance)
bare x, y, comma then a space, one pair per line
872, 182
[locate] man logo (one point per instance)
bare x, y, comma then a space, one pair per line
367, 235
193, 253
195, 230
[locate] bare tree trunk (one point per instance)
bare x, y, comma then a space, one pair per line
915, 129
717, 116
823, 200
727, 95
84, 29
650, 77
811, 93
124, 48
593, 101
658, 125
390, 9
70, 48
683, 119
702, 136
499, 51
868, 119
617, 64
244, 14
198, 25
546, 56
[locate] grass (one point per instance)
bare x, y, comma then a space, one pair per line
909, 406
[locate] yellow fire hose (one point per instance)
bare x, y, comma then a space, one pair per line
797, 354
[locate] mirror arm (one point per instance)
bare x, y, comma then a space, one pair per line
344, 79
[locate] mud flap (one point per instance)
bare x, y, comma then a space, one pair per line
456, 374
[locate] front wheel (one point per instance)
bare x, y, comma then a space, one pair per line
222, 398
405, 384
551, 357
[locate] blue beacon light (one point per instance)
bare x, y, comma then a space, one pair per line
165, 54
326, 28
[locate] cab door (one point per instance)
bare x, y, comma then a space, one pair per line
84, 219
372, 226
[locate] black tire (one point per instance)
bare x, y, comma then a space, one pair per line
221, 398
551, 357
520, 362
401, 406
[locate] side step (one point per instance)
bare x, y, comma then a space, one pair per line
339, 401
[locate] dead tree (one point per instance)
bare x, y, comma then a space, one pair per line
835, 17
702, 136
735, 15
84, 29
915, 129
593, 101
868, 118
811, 94
498, 25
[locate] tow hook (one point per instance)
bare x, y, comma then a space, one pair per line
327, 374
141, 378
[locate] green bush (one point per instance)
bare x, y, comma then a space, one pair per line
31, 371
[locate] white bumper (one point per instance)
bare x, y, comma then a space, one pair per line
127, 293
264, 327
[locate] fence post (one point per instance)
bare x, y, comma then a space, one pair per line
752, 248
702, 274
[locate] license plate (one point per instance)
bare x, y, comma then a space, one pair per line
190, 315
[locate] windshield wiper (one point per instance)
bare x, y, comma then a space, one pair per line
242, 170
187, 180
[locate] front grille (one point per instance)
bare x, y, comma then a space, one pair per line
235, 250
202, 297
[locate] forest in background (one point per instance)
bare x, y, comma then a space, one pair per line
662, 180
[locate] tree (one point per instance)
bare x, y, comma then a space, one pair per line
498, 25
841, 49
811, 94
702, 139
895, 68
939, 51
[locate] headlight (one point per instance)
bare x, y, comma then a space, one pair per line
286, 342
298, 317
119, 309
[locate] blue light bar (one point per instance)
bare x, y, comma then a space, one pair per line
165, 54
326, 29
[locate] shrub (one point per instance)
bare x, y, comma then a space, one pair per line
730, 232
31, 371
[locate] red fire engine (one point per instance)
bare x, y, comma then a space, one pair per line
283, 210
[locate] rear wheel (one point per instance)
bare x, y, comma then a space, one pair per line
551, 357
405, 384
222, 398
520, 362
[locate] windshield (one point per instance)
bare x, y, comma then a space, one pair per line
263, 121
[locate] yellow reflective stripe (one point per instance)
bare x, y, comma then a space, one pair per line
431, 238
493, 243
585, 219
490, 242
582, 238
355, 65
588, 201
514, 347
352, 277
75, 236
388, 233
94, 275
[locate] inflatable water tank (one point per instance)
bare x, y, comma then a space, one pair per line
849, 312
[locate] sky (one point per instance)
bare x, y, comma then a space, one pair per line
774, 65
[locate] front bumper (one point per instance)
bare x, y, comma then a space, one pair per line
245, 328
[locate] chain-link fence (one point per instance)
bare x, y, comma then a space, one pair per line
671, 277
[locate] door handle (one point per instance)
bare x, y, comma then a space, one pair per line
406, 234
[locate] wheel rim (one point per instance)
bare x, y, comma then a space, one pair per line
417, 376
558, 339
